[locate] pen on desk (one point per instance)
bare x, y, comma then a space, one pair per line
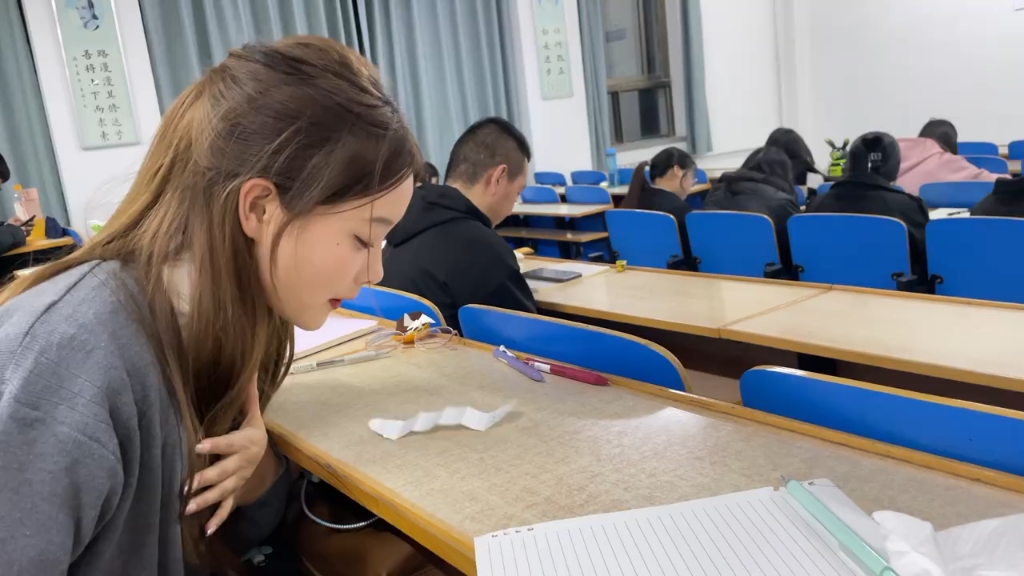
518, 365
343, 361
577, 374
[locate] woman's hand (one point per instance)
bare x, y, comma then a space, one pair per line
242, 451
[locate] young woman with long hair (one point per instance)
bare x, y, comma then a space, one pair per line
134, 371
672, 174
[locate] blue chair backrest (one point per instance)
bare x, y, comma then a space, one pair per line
1015, 151
954, 194
549, 178
977, 257
587, 195
735, 243
644, 238
824, 188
539, 195
624, 175
700, 177
801, 196
849, 249
975, 434
390, 304
977, 149
588, 177
588, 347
993, 164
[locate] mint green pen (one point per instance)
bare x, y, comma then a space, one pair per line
867, 559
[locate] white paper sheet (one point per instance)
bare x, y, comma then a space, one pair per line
760, 531
336, 330
451, 416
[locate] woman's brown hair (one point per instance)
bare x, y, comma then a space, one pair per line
306, 113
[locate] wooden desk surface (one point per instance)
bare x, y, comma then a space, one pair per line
567, 450
967, 341
1004, 150
46, 244
692, 303
622, 189
550, 234
1014, 166
566, 210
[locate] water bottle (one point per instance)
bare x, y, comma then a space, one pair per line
612, 163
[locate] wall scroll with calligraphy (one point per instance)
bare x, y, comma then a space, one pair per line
96, 72
552, 49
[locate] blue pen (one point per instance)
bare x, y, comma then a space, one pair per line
509, 359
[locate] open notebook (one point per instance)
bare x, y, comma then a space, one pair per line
336, 330
763, 531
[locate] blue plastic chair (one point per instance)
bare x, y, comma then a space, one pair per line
580, 345
954, 194
977, 149
643, 237
700, 177
542, 195
972, 433
587, 195
824, 188
849, 249
624, 176
588, 177
801, 196
993, 164
390, 304
1015, 151
593, 223
734, 243
549, 178
977, 257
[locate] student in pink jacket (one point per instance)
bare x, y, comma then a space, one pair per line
932, 157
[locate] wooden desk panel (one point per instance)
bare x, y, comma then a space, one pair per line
622, 189
550, 234
34, 245
691, 303
964, 340
559, 210
567, 450
1014, 167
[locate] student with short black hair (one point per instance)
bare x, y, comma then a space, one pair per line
445, 248
430, 174
763, 185
934, 157
672, 173
867, 188
800, 157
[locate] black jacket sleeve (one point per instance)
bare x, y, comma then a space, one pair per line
679, 212
780, 213
11, 237
513, 293
915, 216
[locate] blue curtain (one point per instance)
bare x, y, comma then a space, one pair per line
448, 63
186, 37
595, 76
24, 132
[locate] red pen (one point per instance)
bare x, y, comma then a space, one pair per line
569, 372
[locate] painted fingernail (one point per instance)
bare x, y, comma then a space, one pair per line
190, 509
210, 530
200, 448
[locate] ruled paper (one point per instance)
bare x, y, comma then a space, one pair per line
761, 531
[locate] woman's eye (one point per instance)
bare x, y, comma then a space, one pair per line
365, 245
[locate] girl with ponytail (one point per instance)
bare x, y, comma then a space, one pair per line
672, 174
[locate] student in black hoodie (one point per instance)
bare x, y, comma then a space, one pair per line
672, 172
763, 185
867, 188
1006, 199
800, 157
445, 248
12, 235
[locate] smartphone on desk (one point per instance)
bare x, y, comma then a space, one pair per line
551, 275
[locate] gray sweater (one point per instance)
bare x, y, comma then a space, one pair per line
91, 450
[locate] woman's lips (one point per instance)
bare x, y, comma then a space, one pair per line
335, 303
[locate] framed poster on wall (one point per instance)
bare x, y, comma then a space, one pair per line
95, 66
552, 49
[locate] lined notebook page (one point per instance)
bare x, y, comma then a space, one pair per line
762, 531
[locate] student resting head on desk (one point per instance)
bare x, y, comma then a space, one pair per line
764, 185
672, 173
933, 157
800, 157
445, 249
867, 188
135, 369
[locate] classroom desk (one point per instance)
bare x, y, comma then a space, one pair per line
559, 210
1004, 150
570, 449
550, 234
1014, 167
963, 340
36, 245
622, 189
697, 304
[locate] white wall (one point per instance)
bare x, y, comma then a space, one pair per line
891, 65
559, 132
94, 181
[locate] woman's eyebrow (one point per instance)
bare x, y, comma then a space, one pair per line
382, 220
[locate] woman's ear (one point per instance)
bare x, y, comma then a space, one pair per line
258, 204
